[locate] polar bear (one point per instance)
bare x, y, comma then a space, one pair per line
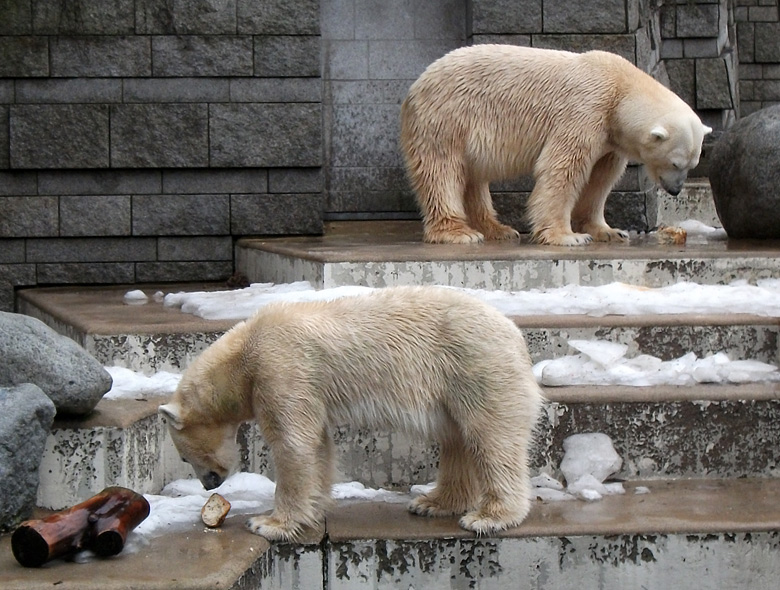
427, 360
573, 121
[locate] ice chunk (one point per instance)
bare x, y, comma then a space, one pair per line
591, 454
602, 352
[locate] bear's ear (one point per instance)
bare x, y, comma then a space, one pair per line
707, 130
172, 413
659, 133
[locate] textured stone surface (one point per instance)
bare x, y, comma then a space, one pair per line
95, 215
287, 55
211, 17
273, 135
180, 215
24, 56
26, 414
34, 353
159, 136
82, 17
100, 56
588, 16
193, 55
502, 17
745, 176
25, 217
59, 136
275, 214
279, 17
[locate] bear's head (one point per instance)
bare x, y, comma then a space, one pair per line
671, 148
204, 441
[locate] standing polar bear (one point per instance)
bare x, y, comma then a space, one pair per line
425, 360
493, 112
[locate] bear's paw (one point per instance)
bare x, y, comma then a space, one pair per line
274, 529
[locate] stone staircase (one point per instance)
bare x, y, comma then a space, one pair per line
707, 453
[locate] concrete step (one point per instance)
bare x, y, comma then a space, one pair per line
682, 534
151, 337
699, 431
694, 202
381, 254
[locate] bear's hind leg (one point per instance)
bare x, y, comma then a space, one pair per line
501, 457
457, 487
482, 215
588, 214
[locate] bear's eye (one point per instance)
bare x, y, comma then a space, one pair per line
676, 166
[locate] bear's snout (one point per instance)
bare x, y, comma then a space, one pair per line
211, 480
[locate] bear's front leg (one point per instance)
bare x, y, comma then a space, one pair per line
588, 213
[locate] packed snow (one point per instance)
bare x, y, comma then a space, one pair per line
761, 299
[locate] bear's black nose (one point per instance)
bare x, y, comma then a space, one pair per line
211, 480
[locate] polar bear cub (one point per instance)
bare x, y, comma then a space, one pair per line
573, 121
426, 360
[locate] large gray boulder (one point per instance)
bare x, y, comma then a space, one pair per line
31, 352
744, 173
26, 415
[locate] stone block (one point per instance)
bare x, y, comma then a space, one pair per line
192, 249
159, 136
623, 45
83, 17
181, 215
378, 19
701, 48
746, 90
34, 353
197, 56
69, 90
287, 56
24, 217
100, 56
697, 20
682, 79
667, 16
279, 17
188, 17
15, 183
365, 135
767, 48
215, 181
157, 272
337, 19
275, 90
59, 136
5, 154
104, 249
276, 214
176, 90
7, 91
99, 182
767, 90
95, 215
745, 174
713, 87
746, 34
265, 135
374, 178
763, 14
294, 180
443, 19
754, 72
405, 60
17, 17
671, 49
12, 251
26, 415
69, 273
504, 17
521, 40
368, 91
588, 16
627, 211
345, 60
23, 56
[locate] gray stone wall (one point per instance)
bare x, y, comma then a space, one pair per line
138, 138
758, 35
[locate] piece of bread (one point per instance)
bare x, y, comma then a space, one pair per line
214, 511
671, 235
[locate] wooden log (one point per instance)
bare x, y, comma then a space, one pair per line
100, 523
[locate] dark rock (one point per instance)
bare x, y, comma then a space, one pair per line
26, 415
34, 353
744, 172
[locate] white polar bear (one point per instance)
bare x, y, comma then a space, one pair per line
425, 360
493, 112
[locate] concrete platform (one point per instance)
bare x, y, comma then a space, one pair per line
683, 534
385, 253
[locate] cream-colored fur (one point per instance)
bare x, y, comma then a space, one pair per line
426, 360
573, 121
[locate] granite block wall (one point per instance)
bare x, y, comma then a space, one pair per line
140, 138
758, 35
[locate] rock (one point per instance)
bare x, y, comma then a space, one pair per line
34, 353
745, 176
26, 415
